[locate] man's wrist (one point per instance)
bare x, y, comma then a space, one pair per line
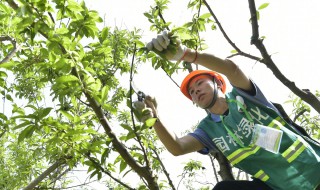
190, 56
157, 121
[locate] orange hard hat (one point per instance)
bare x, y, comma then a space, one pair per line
185, 83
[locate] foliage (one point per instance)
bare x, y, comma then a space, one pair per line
65, 84
304, 115
65, 65
192, 172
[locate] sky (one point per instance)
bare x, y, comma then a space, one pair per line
291, 30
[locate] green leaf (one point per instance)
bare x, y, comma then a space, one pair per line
3, 74
32, 107
4, 8
8, 97
99, 175
151, 121
109, 108
129, 136
94, 15
104, 155
26, 133
67, 78
234, 51
54, 47
87, 114
26, 22
88, 163
264, 5
126, 126
3, 117
94, 173
206, 15
74, 6
22, 125
44, 112
148, 15
47, 129
66, 114
7, 65
62, 31
104, 94
123, 165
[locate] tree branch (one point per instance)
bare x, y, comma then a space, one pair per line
142, 171
225, 168
12, 4
305, 95
60, 175
36, 181
299, 114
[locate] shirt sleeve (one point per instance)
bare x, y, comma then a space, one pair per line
201, 136
257, 97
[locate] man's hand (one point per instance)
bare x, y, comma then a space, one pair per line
145, 110
152, 104
167, 46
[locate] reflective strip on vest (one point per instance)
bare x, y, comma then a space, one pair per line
276, 123
261, 175
294, 151
242, 153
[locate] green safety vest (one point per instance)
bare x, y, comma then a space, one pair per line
296, 166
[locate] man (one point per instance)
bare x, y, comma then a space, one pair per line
242, 124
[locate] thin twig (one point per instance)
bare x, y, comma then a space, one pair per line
164, 169
214, 168
160, 15
131, 108
227, 37
16, 48
299, 114
98, 165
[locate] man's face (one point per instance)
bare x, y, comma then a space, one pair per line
201, 90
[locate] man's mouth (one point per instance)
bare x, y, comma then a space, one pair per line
200, 96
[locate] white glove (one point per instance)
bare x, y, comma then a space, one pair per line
161, 44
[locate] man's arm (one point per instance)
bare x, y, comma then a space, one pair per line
175, 145
234, 74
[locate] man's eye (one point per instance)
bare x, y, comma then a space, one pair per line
191, 91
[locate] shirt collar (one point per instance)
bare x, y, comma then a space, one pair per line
215, 117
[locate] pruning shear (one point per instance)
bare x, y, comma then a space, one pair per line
141, 95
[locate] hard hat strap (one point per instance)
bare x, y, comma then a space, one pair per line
215, 95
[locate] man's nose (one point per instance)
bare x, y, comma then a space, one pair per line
197, 91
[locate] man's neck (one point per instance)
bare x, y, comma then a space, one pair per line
220, 107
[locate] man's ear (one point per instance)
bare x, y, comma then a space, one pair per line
218, 82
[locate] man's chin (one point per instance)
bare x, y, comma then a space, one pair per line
205, 106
